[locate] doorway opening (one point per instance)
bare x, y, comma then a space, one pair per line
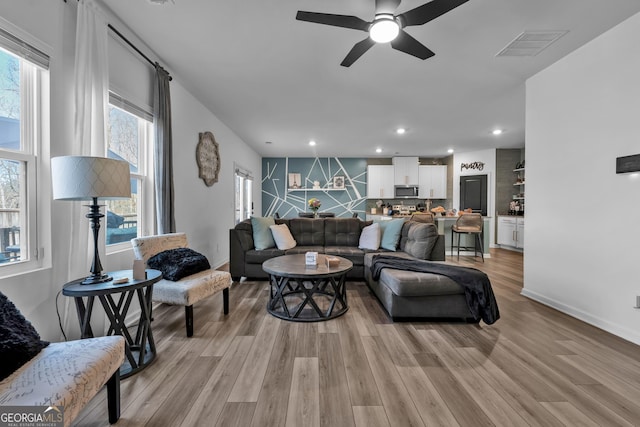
473, 193
243, 194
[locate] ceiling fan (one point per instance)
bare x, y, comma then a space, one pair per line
386, 27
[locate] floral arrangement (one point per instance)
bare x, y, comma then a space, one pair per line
314, 204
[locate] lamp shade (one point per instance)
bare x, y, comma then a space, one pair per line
84, 178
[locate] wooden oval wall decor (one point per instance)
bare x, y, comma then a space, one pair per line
208, 158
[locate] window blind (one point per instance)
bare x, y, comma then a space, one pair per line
23, 49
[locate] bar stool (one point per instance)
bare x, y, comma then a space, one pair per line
422, 217
470, 223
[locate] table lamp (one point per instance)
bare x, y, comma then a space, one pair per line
90, 178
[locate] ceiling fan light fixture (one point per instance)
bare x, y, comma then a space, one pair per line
384, 29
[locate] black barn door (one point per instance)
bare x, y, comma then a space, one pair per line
473, 193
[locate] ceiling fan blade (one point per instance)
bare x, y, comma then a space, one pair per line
344, 21
387, 6
357, 51
407, 44
429, 11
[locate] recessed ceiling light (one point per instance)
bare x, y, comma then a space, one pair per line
312, 143
378, 150
450, 150
400, 131
496, 131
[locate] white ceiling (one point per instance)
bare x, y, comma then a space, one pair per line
272, 78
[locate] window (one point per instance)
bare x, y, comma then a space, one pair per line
23, 115
129, 139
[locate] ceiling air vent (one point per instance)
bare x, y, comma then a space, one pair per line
531, 43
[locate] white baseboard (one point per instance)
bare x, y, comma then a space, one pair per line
613, 328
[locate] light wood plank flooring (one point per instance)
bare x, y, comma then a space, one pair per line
535, 366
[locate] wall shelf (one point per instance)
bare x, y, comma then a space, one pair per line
322, 190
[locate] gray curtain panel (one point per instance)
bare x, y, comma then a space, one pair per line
165, 217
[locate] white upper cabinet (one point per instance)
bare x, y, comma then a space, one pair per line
433, 182
406, 170
380, 182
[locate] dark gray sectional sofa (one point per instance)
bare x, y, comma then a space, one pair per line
402, 293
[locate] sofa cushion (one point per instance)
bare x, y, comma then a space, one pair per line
262, 237
417, 284
391, 230
304, 249
355, 255
282, 236
258, 257
420, 240
19, 340
307, 232
342, 232
178, 263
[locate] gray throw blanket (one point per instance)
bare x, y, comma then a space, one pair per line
477, 287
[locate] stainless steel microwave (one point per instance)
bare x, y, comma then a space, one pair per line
406, 191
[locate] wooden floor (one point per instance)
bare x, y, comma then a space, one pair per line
535, 366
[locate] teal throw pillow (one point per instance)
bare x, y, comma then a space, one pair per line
390, 231
262, 236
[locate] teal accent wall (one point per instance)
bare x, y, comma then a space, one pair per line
278, 197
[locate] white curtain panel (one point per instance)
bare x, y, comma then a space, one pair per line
91, 94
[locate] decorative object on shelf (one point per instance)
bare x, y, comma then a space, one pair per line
316, 185
208, 158
90, 178
338, 182
314, 205
295, 179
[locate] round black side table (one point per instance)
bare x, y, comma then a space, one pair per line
139, 350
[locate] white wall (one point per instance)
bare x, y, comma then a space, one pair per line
583, 227
204, 213
488, 157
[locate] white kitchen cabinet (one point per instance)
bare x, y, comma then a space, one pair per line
511, 231
432, 181
406, 170
380, 182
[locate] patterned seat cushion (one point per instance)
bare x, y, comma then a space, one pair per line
191, 289
65, 374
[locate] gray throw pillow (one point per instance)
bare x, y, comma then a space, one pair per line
421, 240
262, 236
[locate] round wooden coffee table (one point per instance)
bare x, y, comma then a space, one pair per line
306, 294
